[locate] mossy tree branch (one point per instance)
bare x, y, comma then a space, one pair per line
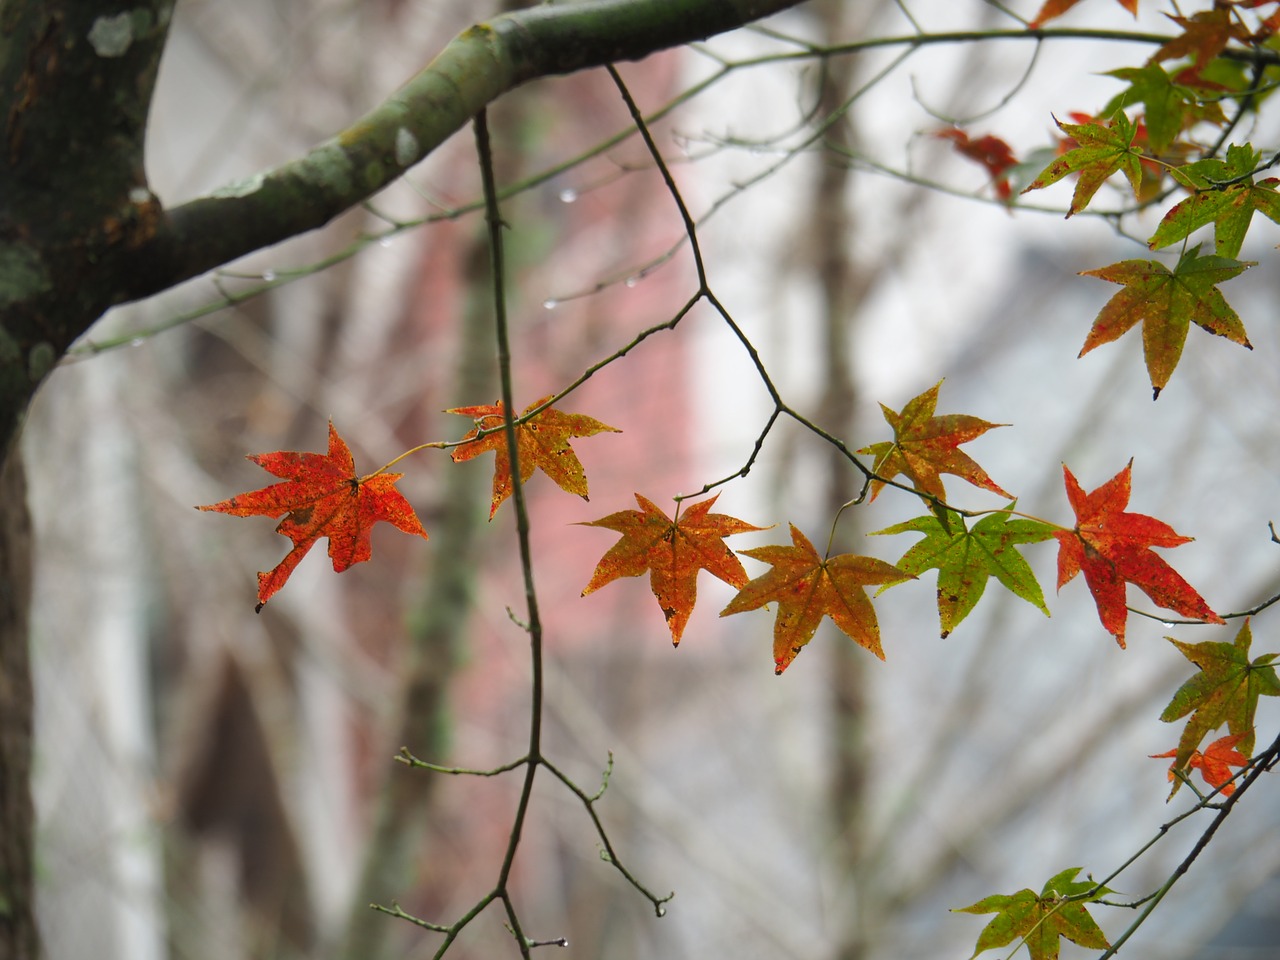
81, 232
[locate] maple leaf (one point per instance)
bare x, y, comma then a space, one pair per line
1100, 151
1040, 920
807, 588
323, 497
1204, 36
1053, 9
1167, 303
990, 151
673, 551
541, 442
1112, 547
1214, 764
1171, 103
924, 447
1225, 195
1226, 690
1268, 26
966, 559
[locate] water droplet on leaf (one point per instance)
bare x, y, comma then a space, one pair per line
568, 195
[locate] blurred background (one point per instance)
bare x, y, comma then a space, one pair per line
214, 783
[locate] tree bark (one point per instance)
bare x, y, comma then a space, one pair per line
76, 78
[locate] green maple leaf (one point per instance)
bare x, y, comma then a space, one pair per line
1100, 152
1039, 920
966, 559
1170, 107
1225, 195
1167, 302
1226, 690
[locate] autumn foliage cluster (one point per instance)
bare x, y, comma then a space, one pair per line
1166, 139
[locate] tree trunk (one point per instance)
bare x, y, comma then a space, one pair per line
18, 936
845, 285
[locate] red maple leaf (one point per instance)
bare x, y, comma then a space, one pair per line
1053, 9
542, 443
323, 497
1214, 764
807, 588
673, 551
1268, 27
1112, 547
990, 151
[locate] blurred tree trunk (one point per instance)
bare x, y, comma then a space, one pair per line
844, 284
18, 938
394, 856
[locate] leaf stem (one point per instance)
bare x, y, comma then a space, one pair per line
409, 760
434, 445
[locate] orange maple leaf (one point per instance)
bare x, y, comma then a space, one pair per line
924, 447
1112, 547
323, 497
1214, 764
542, 442
673, 551
1204, 36
808, 588
990, 151
1053, 9
1167, 302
